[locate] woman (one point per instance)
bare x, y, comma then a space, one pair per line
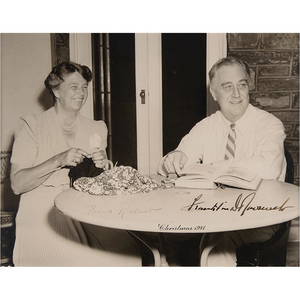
43, 152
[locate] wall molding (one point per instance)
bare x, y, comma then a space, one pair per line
149, 114
81, 52
216, 48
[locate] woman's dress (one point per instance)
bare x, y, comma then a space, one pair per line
45, 237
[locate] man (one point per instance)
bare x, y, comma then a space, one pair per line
236, 135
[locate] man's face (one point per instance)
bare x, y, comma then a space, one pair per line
230, 89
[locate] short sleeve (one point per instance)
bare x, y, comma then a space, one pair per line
92, 134
25, 146
102, 129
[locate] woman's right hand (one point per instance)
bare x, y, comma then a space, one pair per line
72, 157
27, 179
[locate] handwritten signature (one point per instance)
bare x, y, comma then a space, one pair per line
121, 211
242, 205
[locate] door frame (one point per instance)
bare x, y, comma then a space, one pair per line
81, 52
148, 74
149, 77
216, 48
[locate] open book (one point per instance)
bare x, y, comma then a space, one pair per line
207, 177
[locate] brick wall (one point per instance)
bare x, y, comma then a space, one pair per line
274, 62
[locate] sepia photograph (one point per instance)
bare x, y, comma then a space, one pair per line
149, 149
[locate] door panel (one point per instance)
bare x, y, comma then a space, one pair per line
183, 85
123, 101
114, 93
172, 70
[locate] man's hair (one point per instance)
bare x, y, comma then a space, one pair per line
228, 61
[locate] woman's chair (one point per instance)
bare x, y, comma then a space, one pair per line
272, 252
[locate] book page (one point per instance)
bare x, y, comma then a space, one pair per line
238, 172
199, 175
206, 171
194, 181
239, 177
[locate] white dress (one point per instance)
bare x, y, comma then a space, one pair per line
44, 237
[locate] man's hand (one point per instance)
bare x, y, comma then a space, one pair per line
174, 162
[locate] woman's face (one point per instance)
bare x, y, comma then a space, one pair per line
72, 92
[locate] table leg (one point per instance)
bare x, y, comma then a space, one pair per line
155, 250
162, 250
182, 249
205, 250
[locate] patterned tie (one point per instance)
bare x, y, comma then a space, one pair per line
230, 147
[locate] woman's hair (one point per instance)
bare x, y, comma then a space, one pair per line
56, 76
228, 61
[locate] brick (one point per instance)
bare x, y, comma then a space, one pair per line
292, 145
280, 40
295, 100
278, 84
296, 131
243, 40
263, 57
296, 170
295, 64
295, 156
287, 116
274, 70
270, 100
252, 79
289, 130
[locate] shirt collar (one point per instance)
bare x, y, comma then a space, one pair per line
242, 122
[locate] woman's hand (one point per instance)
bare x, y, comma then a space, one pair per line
99, 158
72, 157
27, 179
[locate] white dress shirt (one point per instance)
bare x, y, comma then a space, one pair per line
259, 143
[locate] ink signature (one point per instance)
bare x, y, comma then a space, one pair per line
241, 205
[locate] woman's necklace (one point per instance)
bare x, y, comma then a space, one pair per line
69, 129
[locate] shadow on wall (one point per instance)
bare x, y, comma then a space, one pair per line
212, 105
46, 99
10, 201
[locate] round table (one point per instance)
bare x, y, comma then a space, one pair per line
178, 210
186, 210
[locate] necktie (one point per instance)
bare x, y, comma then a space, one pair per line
230, 147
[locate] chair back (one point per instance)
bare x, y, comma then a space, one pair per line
289, 175
273, 251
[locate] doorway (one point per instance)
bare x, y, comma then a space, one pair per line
183, 85
114, 93
182, 64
